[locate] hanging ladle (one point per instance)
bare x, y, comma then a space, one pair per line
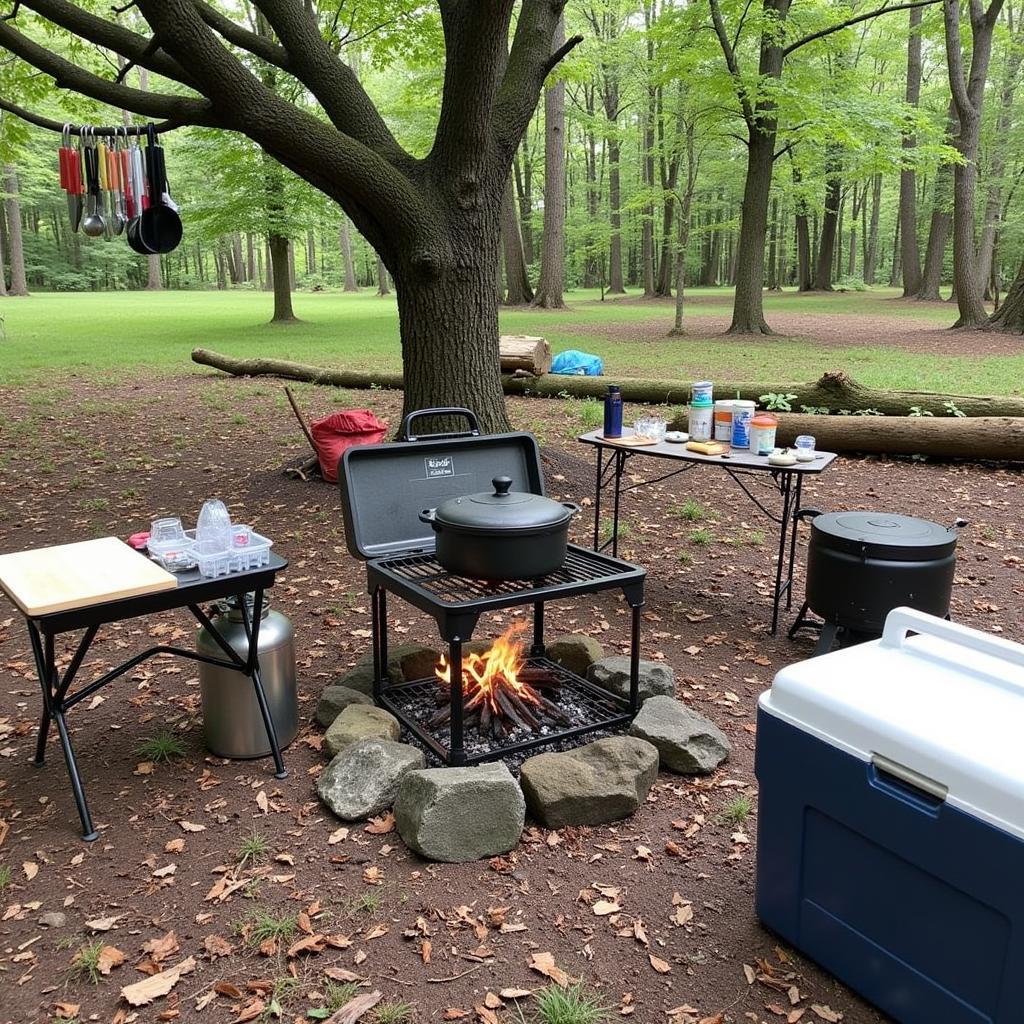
93, 223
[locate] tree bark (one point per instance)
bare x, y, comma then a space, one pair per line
834, 390
773, 247
939, 227
3, 247
518, 291
281, 276
910, 250
710, 269
829, 222
15, 247
871, 250
345, 241
524, 192
968, 94
524, 352
383, 288
551, 284
1009, 317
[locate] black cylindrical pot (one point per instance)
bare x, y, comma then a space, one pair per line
862, 565
504, 535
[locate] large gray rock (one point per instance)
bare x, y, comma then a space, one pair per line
363, 779
601, 782
359, 678
360, 722
460, 814
687, 742
575, 652
656, 678
406, 662
335, 699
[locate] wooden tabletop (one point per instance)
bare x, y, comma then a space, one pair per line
734, 458
69, 576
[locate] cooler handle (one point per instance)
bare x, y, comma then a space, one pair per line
914, 780
901, 621
405, 433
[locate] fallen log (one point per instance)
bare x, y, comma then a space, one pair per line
833, 391
979, 437
524, 352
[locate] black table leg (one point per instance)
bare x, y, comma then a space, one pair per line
786, 487
457, 740
792, 539
253, 671
379, 661
54, 690
620, 465
597, 501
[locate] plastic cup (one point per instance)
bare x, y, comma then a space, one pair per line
805, 442
240, 536
165, 530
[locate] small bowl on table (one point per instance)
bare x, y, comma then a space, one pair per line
651, 428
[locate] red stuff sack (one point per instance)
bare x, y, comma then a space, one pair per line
341, 430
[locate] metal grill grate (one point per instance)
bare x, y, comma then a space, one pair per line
590, 708
425, 573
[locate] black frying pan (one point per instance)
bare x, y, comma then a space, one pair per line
159, 227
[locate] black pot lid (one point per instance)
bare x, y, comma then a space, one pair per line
883, 535
502, 510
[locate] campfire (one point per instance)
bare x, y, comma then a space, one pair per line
501, 690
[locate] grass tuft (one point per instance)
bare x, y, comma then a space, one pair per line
572, 1005
692, 511
253, 847
394, 1013
5, 876
86, 962
701, 537
738, 810
261, 925
164, 746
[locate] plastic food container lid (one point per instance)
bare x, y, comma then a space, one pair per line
763, 419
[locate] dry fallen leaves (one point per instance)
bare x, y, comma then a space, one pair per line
544, 963
827, 1013
102, 924
109, 958
382, 825
31, 869
661, 966
356, 1008
144, 992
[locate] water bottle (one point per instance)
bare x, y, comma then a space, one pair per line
613, 412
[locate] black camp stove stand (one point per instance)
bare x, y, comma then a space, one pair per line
456, 604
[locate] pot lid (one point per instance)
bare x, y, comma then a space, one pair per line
884, 535
502, 510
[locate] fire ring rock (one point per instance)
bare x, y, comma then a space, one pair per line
592, 785
656, 678
363, 779
460, 814
405, 662
360, 722
335, 699
575, 652
689, 743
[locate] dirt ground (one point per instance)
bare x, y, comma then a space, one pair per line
82, 459
905, 331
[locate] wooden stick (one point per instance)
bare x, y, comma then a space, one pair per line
301, 419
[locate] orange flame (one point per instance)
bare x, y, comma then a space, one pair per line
483, 675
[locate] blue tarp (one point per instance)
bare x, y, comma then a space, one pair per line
577, 363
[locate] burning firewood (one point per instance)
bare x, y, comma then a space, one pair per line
500, 689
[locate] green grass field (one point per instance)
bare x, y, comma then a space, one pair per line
94, 333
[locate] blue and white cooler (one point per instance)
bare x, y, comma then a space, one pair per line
891, 819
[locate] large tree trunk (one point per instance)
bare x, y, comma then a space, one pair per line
551, 285
3, 248
871, 249
524, 192
910, 250
938, 231
616, 284
968, 95
15, 249
829, 223
383, 288
748, 304
1009, 317
834, 390
517, 278
345, 241
713, 249
281, 274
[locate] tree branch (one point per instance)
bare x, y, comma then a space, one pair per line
561, 53
134, 47
59, 126
232, 32
529, 62
884, 9
731, 62
312, 61
955, 58
66, 75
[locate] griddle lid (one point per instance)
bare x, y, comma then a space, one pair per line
883, 535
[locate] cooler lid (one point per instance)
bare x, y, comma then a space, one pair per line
384, 487
888, 535
945, 705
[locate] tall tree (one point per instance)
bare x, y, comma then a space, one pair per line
968, 89
345, 241
518, 291
15, 244
910, 251
823, 269
434, 219
551, 284
758, 103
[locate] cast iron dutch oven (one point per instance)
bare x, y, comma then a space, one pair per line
501, 534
